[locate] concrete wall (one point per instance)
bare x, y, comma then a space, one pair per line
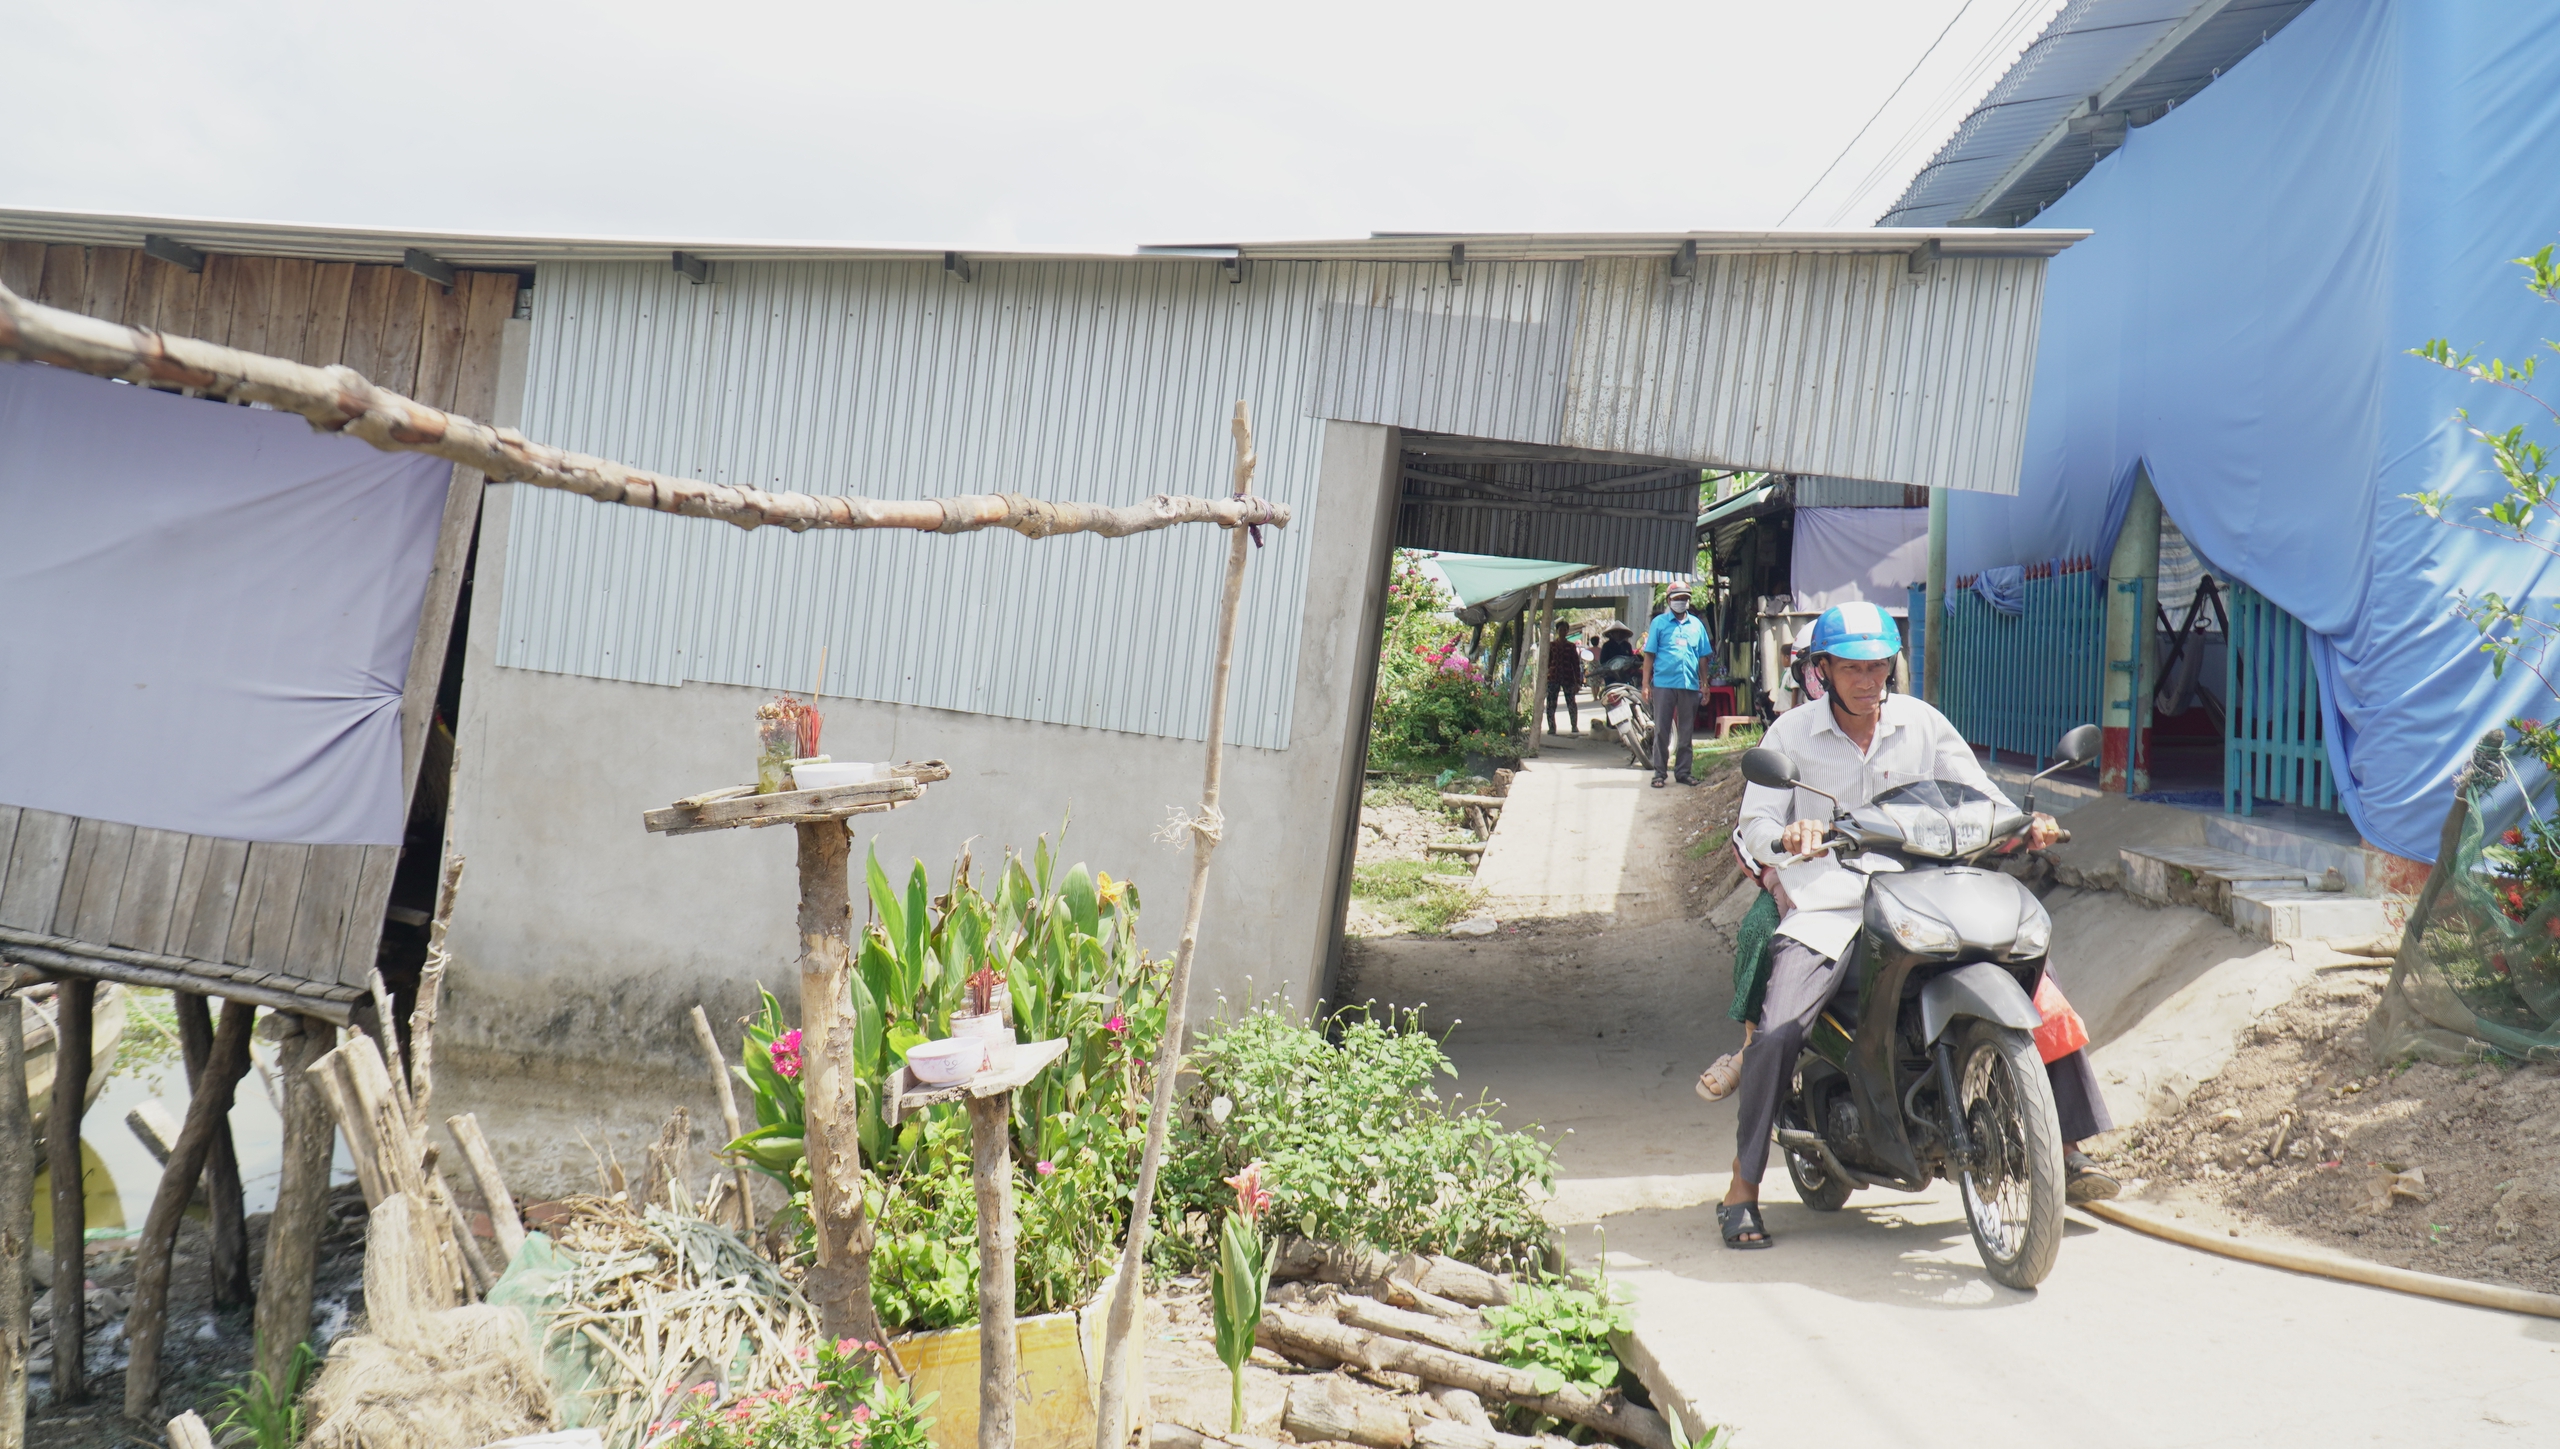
584, 937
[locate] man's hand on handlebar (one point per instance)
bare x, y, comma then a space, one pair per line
2043, 831
1801, 837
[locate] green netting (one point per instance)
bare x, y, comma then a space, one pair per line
2479, 963
1753, 941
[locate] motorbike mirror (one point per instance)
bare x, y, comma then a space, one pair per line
2080, 745
1768, 768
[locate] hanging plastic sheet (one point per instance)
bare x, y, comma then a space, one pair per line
206, 612
1858, 556
2263, 257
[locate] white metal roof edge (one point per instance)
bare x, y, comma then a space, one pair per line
505, 250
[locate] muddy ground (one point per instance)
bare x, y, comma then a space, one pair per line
206, 1351
2444, 1170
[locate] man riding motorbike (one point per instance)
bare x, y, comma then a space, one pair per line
1859, 740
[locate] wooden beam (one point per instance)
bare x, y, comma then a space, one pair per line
60, 957
17, 1219
74, 1004
302, 1201
226, 1211
340, 401
146, 1325
1495, 450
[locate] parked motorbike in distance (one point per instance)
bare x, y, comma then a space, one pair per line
1629, 718
1924, 1065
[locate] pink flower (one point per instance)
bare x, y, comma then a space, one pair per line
862, 1413
848, 1345
802, 1354
1047, 1168
1117, 1026
786, 1053
706, 1390
1251, 1200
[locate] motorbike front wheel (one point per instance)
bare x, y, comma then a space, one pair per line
1638, 748
2013, 1188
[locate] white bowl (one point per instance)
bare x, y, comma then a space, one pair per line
841, 772
952, 1059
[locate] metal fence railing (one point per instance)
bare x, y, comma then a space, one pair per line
2274, 747
2015, 682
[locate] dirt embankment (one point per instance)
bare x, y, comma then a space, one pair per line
2444, 1170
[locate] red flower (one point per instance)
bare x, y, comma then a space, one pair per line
2513, 837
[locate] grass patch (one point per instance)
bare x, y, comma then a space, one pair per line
1420, 895
1417, 792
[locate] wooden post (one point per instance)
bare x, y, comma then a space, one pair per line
839, 1284
503, 1218
729, 1109
1112, 1417
17, 1218
991, 1173
148, 1322
226, 1210
74, 1003
302, 1201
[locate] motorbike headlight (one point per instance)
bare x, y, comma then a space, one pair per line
1929, 835
1919, 933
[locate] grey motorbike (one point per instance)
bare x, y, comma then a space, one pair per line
1924, 1066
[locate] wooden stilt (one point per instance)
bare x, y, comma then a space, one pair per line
302, 1201
17, 1219
75, 1003
840, 1284
148, 1323
226, 1210
991, 1173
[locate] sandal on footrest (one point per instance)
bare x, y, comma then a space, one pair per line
1718, 1081
1739, 1220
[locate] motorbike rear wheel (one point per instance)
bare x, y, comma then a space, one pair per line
2013, 1189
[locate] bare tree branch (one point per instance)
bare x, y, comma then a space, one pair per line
341, 400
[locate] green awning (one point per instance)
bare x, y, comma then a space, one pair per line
1742, 503
1478, 577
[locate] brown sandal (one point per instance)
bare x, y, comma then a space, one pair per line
1718, 1081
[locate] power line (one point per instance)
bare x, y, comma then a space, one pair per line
1880, 108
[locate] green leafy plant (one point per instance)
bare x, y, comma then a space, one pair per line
2511, 631
845, 1403
1238, 1279
1430, 695
265, 1414
1559, 1329
1420, 895
1356, 1143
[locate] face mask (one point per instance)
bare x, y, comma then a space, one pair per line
1679, 606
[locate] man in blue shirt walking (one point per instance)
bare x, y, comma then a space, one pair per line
1674, 649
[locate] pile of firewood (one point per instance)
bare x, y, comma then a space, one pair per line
1411, 1325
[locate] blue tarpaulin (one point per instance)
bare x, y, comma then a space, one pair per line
2264, 256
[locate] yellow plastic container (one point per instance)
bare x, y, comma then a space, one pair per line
1060, 1387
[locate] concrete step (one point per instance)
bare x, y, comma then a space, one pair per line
2289, 914
2200, 875
2275, 900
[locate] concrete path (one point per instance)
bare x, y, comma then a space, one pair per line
1876, 1325
1569, 842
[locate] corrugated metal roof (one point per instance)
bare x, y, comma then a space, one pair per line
1854, 493
1617, 581
1070, 379
2098, 67
1583, 513
505, 249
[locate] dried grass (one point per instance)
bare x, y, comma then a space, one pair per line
449, 1380
673, 1301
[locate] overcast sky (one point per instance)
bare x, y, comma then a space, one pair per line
994, 125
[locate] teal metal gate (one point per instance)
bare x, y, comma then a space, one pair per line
2016, 681
2274, 747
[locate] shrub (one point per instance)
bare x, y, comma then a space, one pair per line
1356, 1144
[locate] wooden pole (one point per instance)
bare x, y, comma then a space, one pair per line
504, 1221
302, 1200
839, 1285
991, 1173
1111, 1413
226, 1209
340, 400
17, 1217
422, 1016
74, 1004
210, 1105
729, 1110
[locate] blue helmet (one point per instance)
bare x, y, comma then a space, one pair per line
1855, 631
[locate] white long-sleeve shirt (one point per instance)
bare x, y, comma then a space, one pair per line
1912, 742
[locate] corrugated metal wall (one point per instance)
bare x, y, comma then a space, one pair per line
1103, 381
1111, 380
1842, 365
